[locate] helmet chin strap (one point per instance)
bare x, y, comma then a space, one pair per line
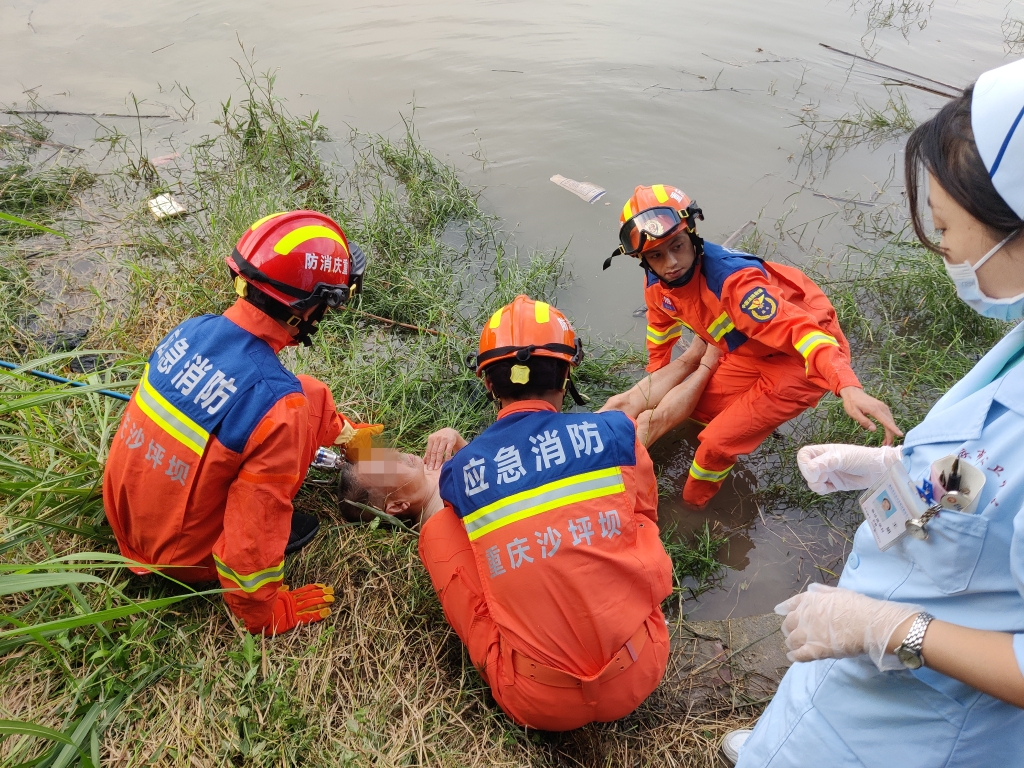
306, 328
570, 387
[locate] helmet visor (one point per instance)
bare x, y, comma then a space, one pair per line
652, 224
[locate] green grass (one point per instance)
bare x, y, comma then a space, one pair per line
125, 671
695, 564
827, 139
143, 672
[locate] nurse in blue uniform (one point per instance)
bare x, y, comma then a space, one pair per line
917, 657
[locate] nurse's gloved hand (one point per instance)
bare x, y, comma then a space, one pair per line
837, 467
831, 623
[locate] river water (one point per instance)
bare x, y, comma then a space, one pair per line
705, 96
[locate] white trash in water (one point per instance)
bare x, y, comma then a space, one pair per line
165, 206
582, 189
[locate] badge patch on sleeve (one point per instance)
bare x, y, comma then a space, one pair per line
760, 305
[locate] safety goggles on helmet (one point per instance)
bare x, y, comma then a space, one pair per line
652, 224
322, 293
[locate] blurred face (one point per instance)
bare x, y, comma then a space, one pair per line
396, 479
671, 258
965, 239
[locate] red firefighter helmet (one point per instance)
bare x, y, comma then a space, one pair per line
299, 258
526, 328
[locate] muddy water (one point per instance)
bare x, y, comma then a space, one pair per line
706, 96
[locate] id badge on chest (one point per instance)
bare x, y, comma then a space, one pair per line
890, 504
894, 506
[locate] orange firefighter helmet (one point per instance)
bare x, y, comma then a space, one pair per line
653, 213
527, 328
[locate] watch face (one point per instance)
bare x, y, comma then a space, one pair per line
909, 659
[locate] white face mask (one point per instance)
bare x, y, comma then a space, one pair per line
965, 278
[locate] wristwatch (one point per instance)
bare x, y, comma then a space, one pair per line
909, 651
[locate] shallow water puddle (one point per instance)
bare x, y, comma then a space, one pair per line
769, 556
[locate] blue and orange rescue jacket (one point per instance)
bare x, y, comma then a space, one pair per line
753, 308
561, 512
211, 450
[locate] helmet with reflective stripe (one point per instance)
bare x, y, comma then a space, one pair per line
527, 328
299, 258
678, 207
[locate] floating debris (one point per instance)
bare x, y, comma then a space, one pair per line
582, 189
165, 207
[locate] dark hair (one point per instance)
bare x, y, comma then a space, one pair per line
350, 489
266, 304
546, 375
944, 146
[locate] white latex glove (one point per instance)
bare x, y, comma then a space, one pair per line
832, 623
838, 467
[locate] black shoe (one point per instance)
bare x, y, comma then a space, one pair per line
304, 528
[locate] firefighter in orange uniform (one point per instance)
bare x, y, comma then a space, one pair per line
546, 554
781, 342
218, 435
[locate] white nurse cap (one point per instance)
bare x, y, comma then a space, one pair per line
997, 117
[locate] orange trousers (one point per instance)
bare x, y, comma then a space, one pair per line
745, 401
447, 556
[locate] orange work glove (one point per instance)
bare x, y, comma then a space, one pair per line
357, 439
303, 606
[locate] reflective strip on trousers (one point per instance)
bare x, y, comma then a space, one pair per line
812, 341
560, 493
170, 419
252, 581
720, 327
699, 473
660, 337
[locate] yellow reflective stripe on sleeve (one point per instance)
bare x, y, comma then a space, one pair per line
297, 237
542, 312
627, 212
660, 337
812, 341
496, 319
699, 473
560, 493
660, 193
264, 220
170, 419
250, 582
722, 325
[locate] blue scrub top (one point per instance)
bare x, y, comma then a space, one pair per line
969, 571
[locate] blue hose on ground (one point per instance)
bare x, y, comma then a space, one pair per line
62, 380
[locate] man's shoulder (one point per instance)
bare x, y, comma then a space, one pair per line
720, 264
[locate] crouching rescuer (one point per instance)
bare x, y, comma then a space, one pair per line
545, 554
781, 344
218, 435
